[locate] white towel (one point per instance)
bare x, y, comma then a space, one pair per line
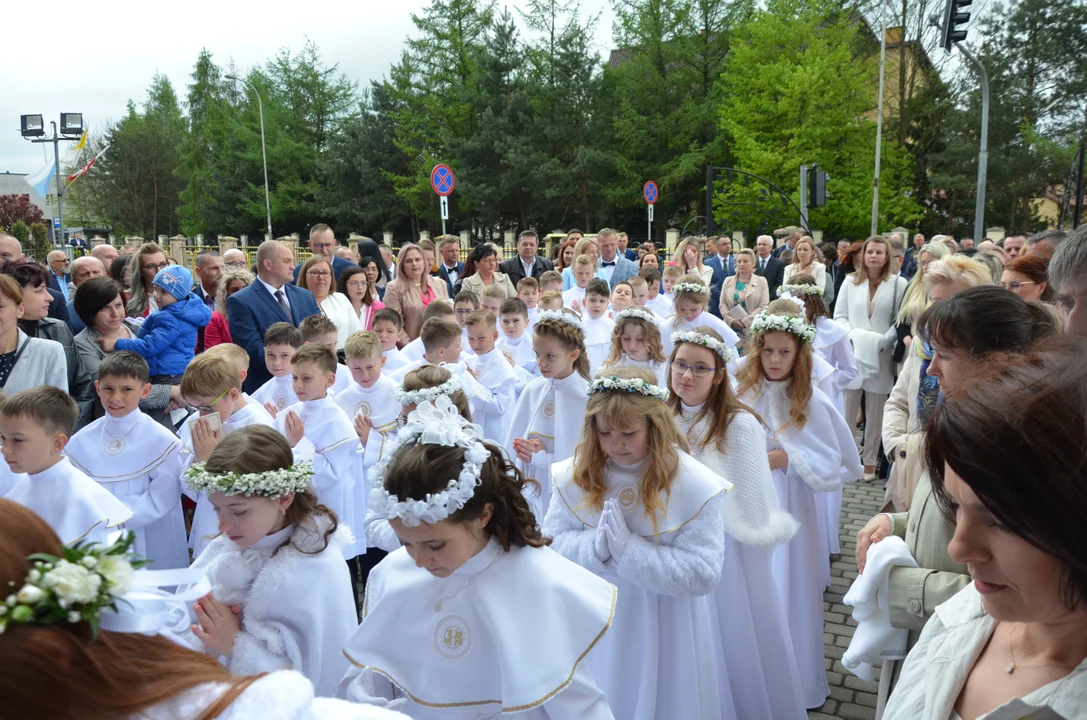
874, 638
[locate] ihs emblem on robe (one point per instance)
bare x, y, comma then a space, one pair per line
627, 497
114, 446
549, 410
281, 402
363, 408
452, 638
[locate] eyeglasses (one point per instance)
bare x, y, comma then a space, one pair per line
681, 368
208, 408
236, 264
321, 246
357, 284
464, 311
155, 266
1013, 286
319, 274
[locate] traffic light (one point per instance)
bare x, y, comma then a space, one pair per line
817, 187
952, 30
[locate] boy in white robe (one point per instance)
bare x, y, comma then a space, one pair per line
598, 326
34, 428
137, 460
370, 403
496, 374
442, 341
661, 298
281, 340
528, 292
583, 273
516, 341
319, 330
388, 326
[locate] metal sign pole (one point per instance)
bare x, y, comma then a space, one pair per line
649, 215
445, 211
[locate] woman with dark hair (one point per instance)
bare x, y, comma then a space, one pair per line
964, 331
142, 268
845, 265
99, 303
481, 271
565, 256
368, 249
1007, 454
25, 362
373, 276
118, 271
355, 284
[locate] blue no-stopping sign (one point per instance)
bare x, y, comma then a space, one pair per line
650, 192
442, 180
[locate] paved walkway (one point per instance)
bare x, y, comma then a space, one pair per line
850, 697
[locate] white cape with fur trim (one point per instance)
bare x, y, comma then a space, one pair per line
298, 609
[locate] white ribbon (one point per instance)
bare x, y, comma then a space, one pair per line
148, 609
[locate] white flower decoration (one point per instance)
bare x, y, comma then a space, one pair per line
706, 341
415, 397
569, 318
631, 385
29, 595
274, 483
118, 572
800, 290
72, 583
640, 313
688, 287
783, 323
795, 301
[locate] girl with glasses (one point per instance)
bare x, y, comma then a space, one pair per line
356, 285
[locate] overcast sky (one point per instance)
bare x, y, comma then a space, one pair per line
93, 58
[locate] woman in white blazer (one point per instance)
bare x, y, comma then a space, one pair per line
745, 289
806, 261
316, 276
867, 305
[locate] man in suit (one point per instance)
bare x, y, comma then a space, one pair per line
724, 266
59, 277
83, 269
450, 268
616, 268
625, 251
791, 239
768, 266
322, 241
527, 263
270, 299
209, 268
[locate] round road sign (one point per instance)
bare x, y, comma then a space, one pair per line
442, 180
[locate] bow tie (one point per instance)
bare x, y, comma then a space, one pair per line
604, 263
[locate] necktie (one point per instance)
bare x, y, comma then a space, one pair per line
282, 299
604, 263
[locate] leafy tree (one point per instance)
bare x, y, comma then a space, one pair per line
18, 207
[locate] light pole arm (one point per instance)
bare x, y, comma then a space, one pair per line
983, 152
263, 150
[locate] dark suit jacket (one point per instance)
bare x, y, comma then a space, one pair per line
718, 280
516, 272
338, 266
443, 275
631, 255
774, 274
54, 285
58, 309
251, 311
198, 289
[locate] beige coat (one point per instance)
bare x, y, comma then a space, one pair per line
756, 301
902, 436
403, 297
474, 284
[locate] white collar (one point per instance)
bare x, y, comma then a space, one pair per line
269, 543
121, 425
56, 473
270, 288
481, 560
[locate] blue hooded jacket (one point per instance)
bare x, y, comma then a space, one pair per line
167, 338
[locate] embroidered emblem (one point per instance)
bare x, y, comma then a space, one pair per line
627, 496
452, 638
549, 410
281, 402
363, 408
114, 446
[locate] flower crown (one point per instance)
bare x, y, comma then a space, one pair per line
570, 319
272, 483
76, 587
629, 385
795, 301
432, 423
706, 341
800, 290
414, 397
690, 287
640, 314
785, 323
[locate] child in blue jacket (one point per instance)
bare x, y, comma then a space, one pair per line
167, 339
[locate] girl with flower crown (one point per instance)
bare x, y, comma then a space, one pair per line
811, 451
636, 342
444, 631
547, 418
281, 592
689, 306
634, 507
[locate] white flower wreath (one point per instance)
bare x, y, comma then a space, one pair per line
795, 301
273, 483
783, 323
640, 313
800, 290
689, 287
569, 318
706, 341
630, 385
414, 397
432, 423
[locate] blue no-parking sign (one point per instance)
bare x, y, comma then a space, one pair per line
650, 192
442, 180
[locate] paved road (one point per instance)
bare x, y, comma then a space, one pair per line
850, 697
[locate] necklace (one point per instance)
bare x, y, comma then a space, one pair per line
1012, 666
441, 599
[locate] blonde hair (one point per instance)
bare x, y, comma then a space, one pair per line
814, 251
548, 295
679, 256
650, 332
362, 344
319, 355
236, 354
702, 298
753, 377
431, 376
583, 260
230, 275
915, 299
861, 275
209, 376
495, 292
672, 271
481, 317
624, 410
957, 268
571, 337
636, 282
579, 247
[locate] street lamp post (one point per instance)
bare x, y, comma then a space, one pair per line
263, 151
71, 127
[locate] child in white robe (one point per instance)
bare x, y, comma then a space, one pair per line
446, 614
636, 342
137, 460
495, 374
388, 326
281, 340
598, 326
811, 450
546, 423
370, 403
516, 340
692, 298
442, 343
759, 665
279, 558
34, 428
633, 507
574, 297
528, 292
661, 298
319, 330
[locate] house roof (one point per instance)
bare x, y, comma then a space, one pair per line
15, 184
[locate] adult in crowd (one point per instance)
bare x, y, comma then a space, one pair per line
1007, 454
218, 329
1068, 274
806, 262
430, 255
688, 258
361, 292
744, 290
767, 265
83, 269
59, 276
271, 299
481, 271
845, 265
912, 254
322, 243
527, 263
235, 258
898, 254
916, 300
901, 431
371, 256
100, 304
25, 362
584, 246
1013, 245
723, 265
120, 273
316, 276
615, 267
106, 253
414, 289
450, 268
373, 276
143, 265
647, 248
345, 253
386, 254
1028, 277
967, 244
828, 252
988, 245
1045, 243
209, 268
12, 249
993, 262
792, 237
624, 248
710, 246
565, 256
867, 307
649, 260
35, 323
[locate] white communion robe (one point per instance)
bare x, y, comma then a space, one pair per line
279, 392
8, 479
832, 344
676, 324
522, 351
74, 505
394, 359
661, 660
205, 524
298, 607
344, 380
138, 461
330, 442
598, 333
377, 402
498, 377
758, 660
460, 647
822, 455
659, 369
552, 411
